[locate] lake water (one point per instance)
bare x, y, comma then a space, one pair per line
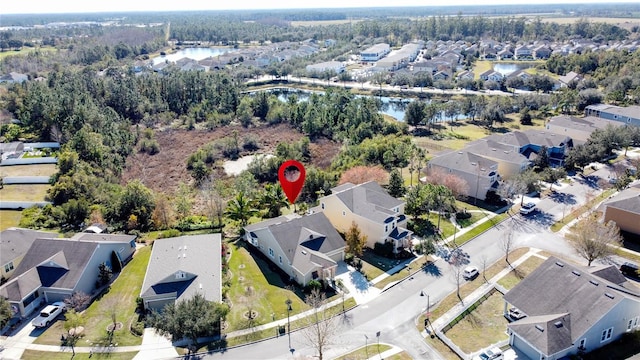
392, 106
192, 53
508, 68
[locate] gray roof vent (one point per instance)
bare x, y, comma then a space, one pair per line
594, 282
559, 264
540, 328
304, 252
558, 324
575, 272
609, 295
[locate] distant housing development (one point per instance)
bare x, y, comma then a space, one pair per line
375, 53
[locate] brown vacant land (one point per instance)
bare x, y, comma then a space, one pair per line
164, 171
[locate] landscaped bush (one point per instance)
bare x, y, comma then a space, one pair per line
462, 215
385, 249
137, 328
169, 234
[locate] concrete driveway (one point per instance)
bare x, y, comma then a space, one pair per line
361, 289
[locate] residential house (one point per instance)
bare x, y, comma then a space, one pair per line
375, 52
578, 129
53, 269
466, 74
478, 172
627, 115
181, 267
378, 215
570, 309
304, 247
530, 142
491, 75
14, 148
568, 78
509, 160
541, 52
505, 54
523, 52
624, 209
441, 75
14, 244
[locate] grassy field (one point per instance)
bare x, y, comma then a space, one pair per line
35, 192
9, 218
267, 295
484, 326
365, 352
323, 22
24, 51
516, 275
120, 298
28, 170
66, 355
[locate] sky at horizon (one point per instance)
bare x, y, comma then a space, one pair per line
48, 6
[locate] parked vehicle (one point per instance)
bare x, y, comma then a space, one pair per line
630, 270
470, 272
527, 208
490, 354
49, 314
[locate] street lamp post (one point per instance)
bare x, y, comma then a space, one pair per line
288, 303
366, 345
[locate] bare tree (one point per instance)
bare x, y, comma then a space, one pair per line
212, 190
321, 328
512, 187
78, 301
458, 186
593, 239
456, 273
483, 263
507, 242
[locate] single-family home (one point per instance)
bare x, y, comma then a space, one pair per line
13, 77
491, 75
181, 267
569, 309
529, 143
466, 74
628, 115
568, 78
523, 52
505, 54
624, 209
379, 215
305, 248
508, 158
578, 129
541, 52
480, 174
53, 269
14, 244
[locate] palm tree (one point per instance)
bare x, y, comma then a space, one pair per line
273, 200
240, 209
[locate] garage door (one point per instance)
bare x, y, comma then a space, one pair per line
525, 348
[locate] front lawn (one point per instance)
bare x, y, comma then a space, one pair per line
256, 285
119, 299
523, 270
9, 218
484, 326
365, 352
66, 355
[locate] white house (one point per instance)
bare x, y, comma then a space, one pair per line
305, 248
570, 309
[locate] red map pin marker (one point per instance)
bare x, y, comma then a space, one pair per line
291, 175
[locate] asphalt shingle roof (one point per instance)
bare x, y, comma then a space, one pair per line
15, 242
368, 200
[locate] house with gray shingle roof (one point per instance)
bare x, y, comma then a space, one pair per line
304, 247
53, 269
181, 267
570, 309
14, 244
629, 115
578, 129
624, 209
378, 215
480, 174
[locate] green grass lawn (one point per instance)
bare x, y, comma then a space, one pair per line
267, 295
413, 267
9, 218
516, 275
121, 296
29, 170
365, 352
31, 192
475, 216
484, 326
480, 229
39, 355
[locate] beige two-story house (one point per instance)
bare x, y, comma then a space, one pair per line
378, 215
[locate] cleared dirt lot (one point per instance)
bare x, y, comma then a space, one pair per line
163, 172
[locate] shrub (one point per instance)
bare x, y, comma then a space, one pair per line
462, 215
313, 285
137, 328
385, 249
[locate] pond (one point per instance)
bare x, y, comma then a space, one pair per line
193, 53
391, 106
508, 68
